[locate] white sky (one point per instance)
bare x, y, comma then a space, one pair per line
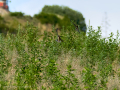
93, 10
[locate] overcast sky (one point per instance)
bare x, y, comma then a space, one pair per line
93, 10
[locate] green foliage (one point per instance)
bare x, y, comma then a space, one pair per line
30, 71
89, 79
4, 29
17, 14
28, 17
1, 18
2, 25
66, 11
47, 18
36, 63
64, 22
5, 63
71, 81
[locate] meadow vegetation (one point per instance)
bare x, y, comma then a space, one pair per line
81, 62
32, 59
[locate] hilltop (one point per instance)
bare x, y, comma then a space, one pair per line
12, 22
50, 16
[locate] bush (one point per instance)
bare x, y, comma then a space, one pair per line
47, 18
65, 22
17, 14
28, 17
66, 11
4, 28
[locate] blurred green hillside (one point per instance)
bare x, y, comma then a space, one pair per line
68, 13
31, 59
10, 22
57, 16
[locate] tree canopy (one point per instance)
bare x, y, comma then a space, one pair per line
76, 16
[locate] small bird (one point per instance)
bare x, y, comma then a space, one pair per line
59, 38
76, 27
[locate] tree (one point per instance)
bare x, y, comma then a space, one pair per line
46, 18
76, 16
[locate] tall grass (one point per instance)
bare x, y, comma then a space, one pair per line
80, 62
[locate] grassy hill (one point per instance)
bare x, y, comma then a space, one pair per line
11, 23
80, 62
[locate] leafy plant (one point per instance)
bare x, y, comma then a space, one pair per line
89, 79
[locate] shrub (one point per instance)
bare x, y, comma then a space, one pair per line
47, 18
17, 14
4, 29
64, 22
66, 11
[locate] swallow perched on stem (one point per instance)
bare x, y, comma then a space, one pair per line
58, 37
76, 27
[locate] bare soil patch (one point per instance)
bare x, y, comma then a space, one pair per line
3, 12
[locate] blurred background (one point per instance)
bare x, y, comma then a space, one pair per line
104, 13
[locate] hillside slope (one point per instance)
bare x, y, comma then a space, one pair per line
14, 22
3, 12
